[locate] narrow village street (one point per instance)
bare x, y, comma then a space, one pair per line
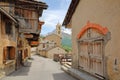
59, 40
39, 68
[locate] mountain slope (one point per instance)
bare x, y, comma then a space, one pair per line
66, 41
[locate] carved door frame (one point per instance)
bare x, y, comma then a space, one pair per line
102, 39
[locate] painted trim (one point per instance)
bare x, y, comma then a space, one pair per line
99, 28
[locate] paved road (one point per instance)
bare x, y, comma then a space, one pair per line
39, 69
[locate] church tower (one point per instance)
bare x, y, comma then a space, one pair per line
58, 30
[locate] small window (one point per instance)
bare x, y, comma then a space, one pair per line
59, 27
47, 45
115, 62
58, 32
43, 45
8, 53
8, 28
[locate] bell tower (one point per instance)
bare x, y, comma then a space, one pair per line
58, 29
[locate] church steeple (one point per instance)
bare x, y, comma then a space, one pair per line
58, 29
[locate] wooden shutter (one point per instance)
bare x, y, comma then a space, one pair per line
4, 54
12, 53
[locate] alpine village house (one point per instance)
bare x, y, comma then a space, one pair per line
95, 28
50, 45
19, 31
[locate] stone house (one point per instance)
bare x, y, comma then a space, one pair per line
55, 36
56, 50
20, 28
8, 42
95, 39
48, 49
23, 53
30, 26
51, 41
44, 46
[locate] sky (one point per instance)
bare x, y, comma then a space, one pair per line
55, 13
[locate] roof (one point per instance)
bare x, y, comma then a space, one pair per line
53, 34
8, 15
27, 4
54, 48
70, 11
32, 3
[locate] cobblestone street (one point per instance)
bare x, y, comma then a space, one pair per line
39, 69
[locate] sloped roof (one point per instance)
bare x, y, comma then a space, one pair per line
8, 15
54, 48
53, 34
30, 3
70, 11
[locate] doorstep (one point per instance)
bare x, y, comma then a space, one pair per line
1, 75
77, 74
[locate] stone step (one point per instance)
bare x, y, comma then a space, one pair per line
78, 74
2, 75
66, 65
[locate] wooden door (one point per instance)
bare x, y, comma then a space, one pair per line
20, 58
83, 56
91, 57
98, 56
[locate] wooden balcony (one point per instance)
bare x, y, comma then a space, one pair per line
34, 43
28, 35
40, 25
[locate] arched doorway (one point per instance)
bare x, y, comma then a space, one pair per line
25, 53
19, 59
91, 45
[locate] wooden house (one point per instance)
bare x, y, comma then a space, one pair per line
25, 14
8, 42
50, 42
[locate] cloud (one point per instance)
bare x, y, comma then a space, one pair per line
64, 4
66, 30
54, 14
51, 18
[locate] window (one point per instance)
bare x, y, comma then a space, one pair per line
115, 62
25, 53
8, 54
59, 27
47, 45
20, 44
58, 32
8, 28
43, 45
2, 28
